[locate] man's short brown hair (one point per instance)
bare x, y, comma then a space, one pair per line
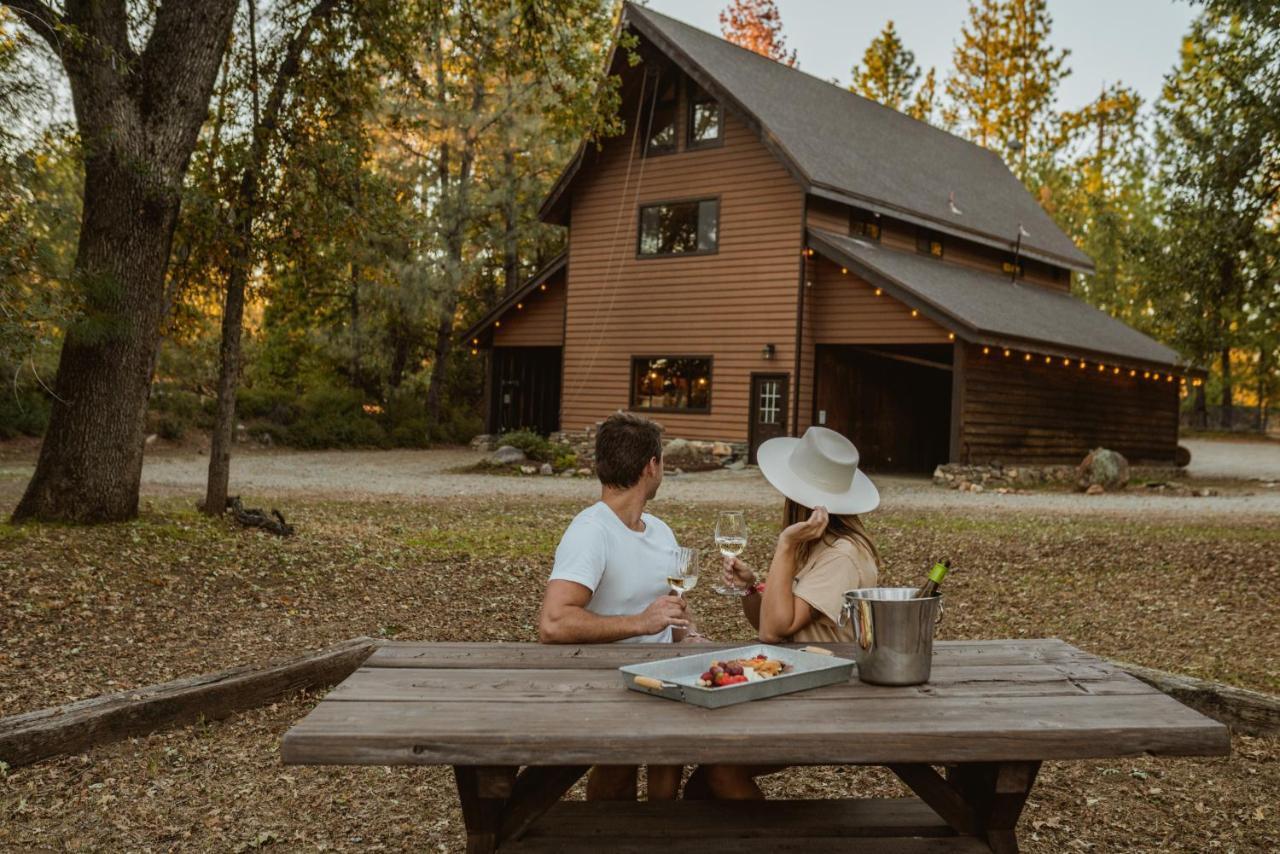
624, 445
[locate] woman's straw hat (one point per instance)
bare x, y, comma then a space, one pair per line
819, 468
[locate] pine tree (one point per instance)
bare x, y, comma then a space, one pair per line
888, 72
757, 26
1005, 80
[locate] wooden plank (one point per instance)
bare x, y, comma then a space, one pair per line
389, 684
75, 727
481, 815
509, 656
537, 790
636, 729
945, 800
704, 843
1246, 712
781, 819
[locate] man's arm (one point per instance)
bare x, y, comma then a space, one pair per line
565, 618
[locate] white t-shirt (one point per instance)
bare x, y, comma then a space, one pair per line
625, 570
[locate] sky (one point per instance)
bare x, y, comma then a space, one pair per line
1132, 41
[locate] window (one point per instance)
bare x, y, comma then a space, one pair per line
706, 118
675, 228
1011, 268
929, 242
770, 408
864, 224
671, 383
661, 126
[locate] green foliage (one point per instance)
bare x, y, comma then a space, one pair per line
331, 417
540, 449
23, 412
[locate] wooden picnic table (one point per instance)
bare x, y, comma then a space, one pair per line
992, 712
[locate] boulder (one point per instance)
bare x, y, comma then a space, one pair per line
528, 470
583, 472
507, 455
737, 465
1105, 468
546, 469
721, 449
1094, 489
1182, 456
678, 452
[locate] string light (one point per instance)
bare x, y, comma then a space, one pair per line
986, 351
1116, 371
475, 340
1066, 362
542, 287
519, 306
1006, 354
474, 351
1026, 357
1047, 359
915, 313
1157, 377
844, 271
1082, 364
1146, 375
1102, 367
1133, 373
951, 336
878, 292
497, 323
1169, 377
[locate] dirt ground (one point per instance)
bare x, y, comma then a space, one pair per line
92, 610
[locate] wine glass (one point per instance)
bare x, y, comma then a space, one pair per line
731, 539
683, 574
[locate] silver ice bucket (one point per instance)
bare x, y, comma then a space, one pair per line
893, 632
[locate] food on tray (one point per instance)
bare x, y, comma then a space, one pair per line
722, 674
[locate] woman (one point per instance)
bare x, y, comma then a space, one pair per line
821, 553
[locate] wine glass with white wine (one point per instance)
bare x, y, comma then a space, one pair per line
731, 539
683, 574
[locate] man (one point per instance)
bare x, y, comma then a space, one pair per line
609, 583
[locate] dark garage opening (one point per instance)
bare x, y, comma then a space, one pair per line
524, 389
892, 400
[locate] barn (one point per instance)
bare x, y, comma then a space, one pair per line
762, 250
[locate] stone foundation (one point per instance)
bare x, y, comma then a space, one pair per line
995, 477
679, 455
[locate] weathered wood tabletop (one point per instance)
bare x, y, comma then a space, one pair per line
992, 711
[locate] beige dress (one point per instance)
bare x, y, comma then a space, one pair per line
832, 568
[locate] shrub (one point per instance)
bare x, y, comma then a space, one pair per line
564, 461
535, 447
275, 404
334, 417
24, 412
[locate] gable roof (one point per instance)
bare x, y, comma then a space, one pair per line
555, 265
983, 307
845, 147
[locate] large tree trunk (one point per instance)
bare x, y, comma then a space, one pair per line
139, 115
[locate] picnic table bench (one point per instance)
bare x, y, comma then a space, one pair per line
991, 713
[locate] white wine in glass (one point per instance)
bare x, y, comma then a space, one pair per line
683, 575
731, 539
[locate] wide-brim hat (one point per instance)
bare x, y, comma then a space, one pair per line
819, 468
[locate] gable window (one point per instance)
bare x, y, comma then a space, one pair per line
661, 126
864, 224
671, 383
929, 242
1011, 267
706, 118
679, 228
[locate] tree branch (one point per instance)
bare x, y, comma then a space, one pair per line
40, 18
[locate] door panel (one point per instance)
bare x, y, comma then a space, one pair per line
768, 409
524, 389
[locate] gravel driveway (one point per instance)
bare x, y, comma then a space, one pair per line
433, 474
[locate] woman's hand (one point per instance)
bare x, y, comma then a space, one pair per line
803, 532
737, 574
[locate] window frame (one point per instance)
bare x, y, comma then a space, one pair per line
863, 218
631, 383
691, 144
925, 237
674, 104
695, 200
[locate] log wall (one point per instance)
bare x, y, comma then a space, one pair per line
1037, 413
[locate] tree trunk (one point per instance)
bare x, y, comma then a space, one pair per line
1227, 414
223, 434
90, 464
139, 117
1200, 415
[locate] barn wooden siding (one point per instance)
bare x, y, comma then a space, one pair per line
1030, 412
727, 305
540, 323
841, 308
833, 216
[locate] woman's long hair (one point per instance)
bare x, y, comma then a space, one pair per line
838, 527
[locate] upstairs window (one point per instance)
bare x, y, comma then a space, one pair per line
864, 224
929, 242
679, 228
671, 383
706, 118
661, 126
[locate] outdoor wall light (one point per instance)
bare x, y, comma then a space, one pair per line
767, 352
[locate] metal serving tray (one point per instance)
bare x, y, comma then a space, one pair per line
678, 677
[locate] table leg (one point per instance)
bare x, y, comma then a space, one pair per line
498, 805
997, 792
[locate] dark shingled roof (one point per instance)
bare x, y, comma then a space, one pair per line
987, 308
849, 148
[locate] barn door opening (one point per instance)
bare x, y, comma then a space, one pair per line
768, 409
892, 401
524, 388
